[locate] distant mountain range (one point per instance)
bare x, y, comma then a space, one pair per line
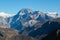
26, 17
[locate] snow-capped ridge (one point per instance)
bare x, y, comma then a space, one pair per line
3, 14
53, 14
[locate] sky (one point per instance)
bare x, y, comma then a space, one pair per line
13, 6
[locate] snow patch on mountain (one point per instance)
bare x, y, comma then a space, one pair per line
3, 14
32, 22
53, 14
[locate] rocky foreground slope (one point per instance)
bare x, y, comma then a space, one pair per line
10, 34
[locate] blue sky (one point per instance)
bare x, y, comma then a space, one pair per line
13, 6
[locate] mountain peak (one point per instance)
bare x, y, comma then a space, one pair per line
24, 10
